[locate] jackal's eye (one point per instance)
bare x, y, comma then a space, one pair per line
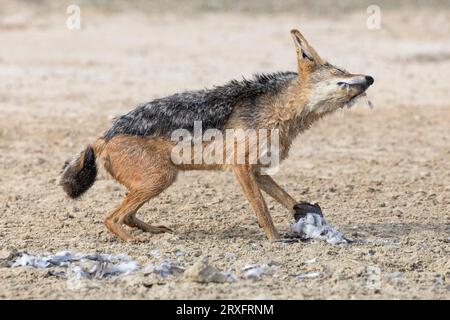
343, 85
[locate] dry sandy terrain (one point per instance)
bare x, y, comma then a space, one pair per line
380, 175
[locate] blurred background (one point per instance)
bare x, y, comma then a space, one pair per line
68, 67
190, 44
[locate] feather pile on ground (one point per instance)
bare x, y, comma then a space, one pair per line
310, 224
81, 265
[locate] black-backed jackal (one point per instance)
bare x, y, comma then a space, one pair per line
138, 150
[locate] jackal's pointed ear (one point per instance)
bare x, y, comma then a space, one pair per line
304, 50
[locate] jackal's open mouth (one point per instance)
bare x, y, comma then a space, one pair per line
361, 92
357, 98
358, 95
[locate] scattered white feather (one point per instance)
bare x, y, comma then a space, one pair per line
229, 255
255, 271
61, 257
310, 261
309, 275
155, 253
165, 269
122, 268
90, 265
30, 260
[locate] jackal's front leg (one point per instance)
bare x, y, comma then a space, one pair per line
269, 186
248, 182
297, 209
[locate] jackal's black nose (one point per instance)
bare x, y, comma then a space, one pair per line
369, 80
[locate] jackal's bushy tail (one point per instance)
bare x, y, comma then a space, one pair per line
79, 173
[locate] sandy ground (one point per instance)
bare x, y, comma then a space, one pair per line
380, 175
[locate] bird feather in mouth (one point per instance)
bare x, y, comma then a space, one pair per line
356, 98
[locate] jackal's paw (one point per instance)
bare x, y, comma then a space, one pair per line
303, 208
162, 229
136, 223
154, 229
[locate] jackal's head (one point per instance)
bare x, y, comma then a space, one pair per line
325, 87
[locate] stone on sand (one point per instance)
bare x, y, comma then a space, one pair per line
202, 272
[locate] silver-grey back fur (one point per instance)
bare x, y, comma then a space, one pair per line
213, 107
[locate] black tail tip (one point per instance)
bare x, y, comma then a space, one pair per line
79, 175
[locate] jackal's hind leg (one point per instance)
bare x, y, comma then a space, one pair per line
143, 166
125, 214
121, 215
115, 220
157, 183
